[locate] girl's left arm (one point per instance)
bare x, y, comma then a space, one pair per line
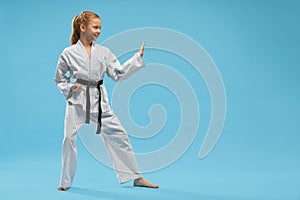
119, 72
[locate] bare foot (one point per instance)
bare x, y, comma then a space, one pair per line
63, 189
141, 182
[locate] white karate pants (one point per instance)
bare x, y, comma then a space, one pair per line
113, 136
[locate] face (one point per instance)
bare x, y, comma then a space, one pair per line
92, 31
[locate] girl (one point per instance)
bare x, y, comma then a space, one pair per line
87, 100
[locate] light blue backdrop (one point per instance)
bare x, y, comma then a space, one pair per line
255, 45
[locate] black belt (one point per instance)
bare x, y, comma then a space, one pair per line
88, 101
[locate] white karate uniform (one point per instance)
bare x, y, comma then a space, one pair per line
75, 61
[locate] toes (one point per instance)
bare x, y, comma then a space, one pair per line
62, 189
144, 183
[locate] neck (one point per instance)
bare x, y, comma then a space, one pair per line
85, 42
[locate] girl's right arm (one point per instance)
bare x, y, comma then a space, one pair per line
62, 81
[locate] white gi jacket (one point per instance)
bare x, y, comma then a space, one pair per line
75, 60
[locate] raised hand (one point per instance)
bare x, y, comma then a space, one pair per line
141, 51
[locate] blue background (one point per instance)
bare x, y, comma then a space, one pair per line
255, 45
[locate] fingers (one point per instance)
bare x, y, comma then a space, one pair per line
143, 45
141, 51
76, 87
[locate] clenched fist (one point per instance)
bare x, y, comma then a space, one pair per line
76, 87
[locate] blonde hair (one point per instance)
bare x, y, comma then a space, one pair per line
82, 18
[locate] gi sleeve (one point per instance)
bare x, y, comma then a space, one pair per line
119, 72
62, 81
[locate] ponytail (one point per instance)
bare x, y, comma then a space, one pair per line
75, 30
83, 18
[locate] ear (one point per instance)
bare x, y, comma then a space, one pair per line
82, 27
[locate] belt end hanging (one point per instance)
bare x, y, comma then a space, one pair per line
98, 128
